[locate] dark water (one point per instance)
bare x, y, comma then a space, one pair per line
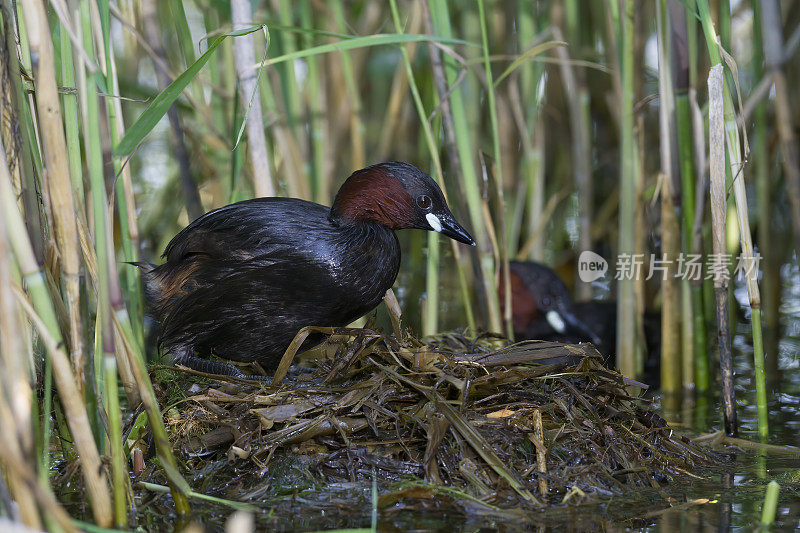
736, 498
723, 501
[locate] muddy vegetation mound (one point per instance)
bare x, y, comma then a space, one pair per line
453, 418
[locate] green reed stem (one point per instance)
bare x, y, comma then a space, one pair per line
530, 97
124, 189
694, 309
119, 471
498, 165
702, 290
673, 375
724, 11
106, 366
770, 507
461, 130
626, 304
71, 120
430, 324
691, 360
320, 184
760, 156
579, 107
693, 323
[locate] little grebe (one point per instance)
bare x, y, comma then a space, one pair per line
543, 309
242, 280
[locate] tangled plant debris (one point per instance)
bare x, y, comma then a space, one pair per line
451, 418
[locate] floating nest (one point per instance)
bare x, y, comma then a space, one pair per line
446, 418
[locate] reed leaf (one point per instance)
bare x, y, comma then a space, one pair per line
161, 103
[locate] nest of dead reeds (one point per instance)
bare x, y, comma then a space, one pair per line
527, 424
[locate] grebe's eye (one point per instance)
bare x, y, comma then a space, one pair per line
424, 201
545, 301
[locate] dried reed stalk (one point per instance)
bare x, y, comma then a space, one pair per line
716, 132
57, 177
244, 57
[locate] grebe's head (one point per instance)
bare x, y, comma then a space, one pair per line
537, 293
399, 196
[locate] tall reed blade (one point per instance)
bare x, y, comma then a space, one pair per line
747, 259
578, 106
58, 182
626, 286
320, 182
498, 174
718, 214
695, 359
106, 369
671, 370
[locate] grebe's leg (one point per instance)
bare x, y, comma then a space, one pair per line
187, 358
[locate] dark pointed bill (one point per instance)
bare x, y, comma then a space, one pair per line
445, 224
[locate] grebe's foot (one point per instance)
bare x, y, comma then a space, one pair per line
217, 367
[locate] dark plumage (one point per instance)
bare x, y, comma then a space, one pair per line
241, 281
